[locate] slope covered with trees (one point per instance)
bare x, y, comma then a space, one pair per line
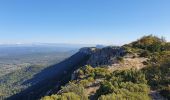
19, 64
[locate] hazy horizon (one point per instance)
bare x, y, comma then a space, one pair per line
85, 44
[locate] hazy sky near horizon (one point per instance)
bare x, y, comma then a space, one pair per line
82, 21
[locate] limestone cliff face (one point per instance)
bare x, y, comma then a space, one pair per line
88, 50
108, 57
105, 56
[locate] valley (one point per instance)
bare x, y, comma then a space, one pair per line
19, 64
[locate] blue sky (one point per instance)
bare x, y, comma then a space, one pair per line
82, 21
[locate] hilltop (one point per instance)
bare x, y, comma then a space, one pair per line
136, 71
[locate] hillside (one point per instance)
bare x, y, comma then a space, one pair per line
51, 77
136, 71
21, 63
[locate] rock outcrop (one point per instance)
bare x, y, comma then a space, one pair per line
88, 50
105, 56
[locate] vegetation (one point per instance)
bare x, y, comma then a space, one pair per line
127, 84
150, 43
158, 76
89, 73
13, 83
158, 52
20, 64
70, 92
120, 59
64, 96
125, 95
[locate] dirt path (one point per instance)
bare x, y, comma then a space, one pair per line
129, 63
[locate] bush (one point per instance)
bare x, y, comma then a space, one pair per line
125, 95
70, 96
157, 76
105, 88
145, 63
101, 72
84, 83
144, 54
131, 81
77, 89
150, 43
124, 90
131, 75
120, 59
88, 71
167, 47
64, 96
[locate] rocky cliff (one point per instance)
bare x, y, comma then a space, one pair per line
105, 56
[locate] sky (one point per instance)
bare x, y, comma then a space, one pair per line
82, 21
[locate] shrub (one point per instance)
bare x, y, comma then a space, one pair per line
88, 69
70, 96
144, 53
125, 95
157, 75
145, 63
120, 59
150, 43
167, 46
105, 88
84, 83
124, 90
77, 89
64, 96
131, 75
101, 72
